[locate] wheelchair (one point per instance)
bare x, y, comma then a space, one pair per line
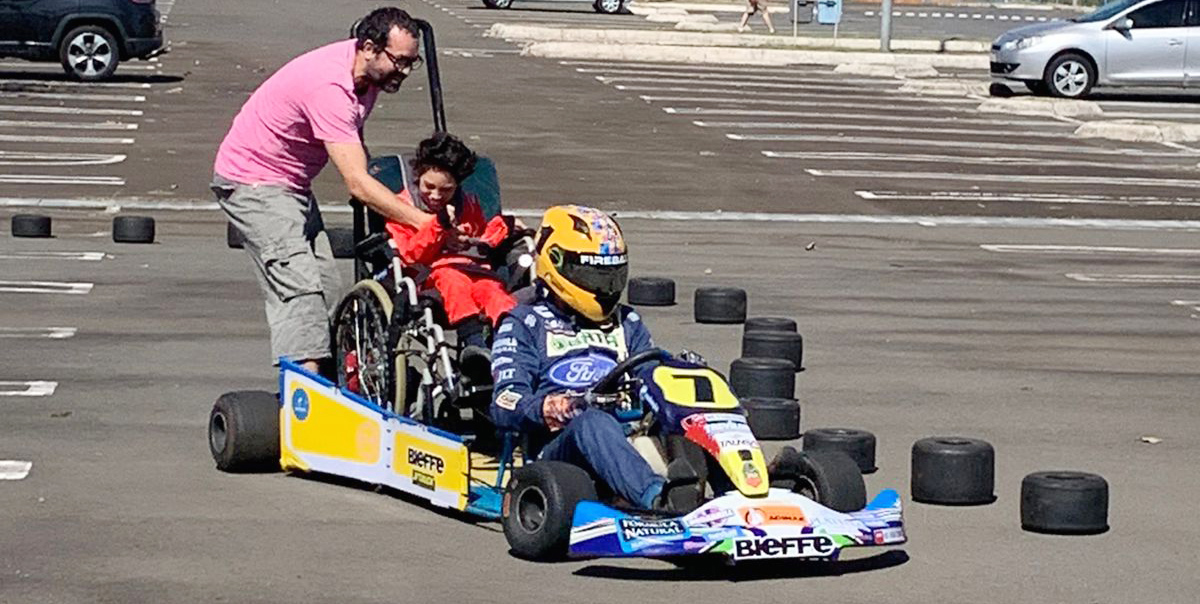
392, 343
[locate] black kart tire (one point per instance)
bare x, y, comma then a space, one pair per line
539, 505
720, 305
1064, 503
651, 291
89, 53
785, 345
234, 237
763, 378
133, 229
773, 418
953, 471
341, 241
858, 444
769, 324
830, 478
243, 431
31, 225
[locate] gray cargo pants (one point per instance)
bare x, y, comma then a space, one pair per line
286, 239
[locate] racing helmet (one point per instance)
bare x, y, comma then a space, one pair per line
582, 260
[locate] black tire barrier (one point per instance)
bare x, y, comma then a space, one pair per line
341, 241
769, 324
953, 471
830, 478
243, 431
720, 305
784, 345
31, 225
234, 237
858, 444
133, 229
1064, 503
773, 418
651, 291
752, 377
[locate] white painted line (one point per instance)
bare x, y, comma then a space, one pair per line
34, 158
1194, 304
895, 104
58, 96
989, 17
34, 388
936, 15
66, 179
869, 13
1029, 18
1133, 181
872, 128
887, 117
724, 77
910, 14
68, 125
91, 140
53, 333
1041, 18
44, 287
1046, 198
69, 84
1012, 248
745, 84
916, 142
1138, 279
68, 110
857, 156
1004, 17
14, 469
80, 256
976, 16
685, 69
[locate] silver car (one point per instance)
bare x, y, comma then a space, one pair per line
1123, 43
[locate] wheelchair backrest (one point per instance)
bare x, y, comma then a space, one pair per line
396, 173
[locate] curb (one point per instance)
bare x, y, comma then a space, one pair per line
1140, 131
740, 56
1041, 107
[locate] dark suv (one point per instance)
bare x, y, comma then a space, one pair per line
89, 37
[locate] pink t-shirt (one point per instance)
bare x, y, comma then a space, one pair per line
279, 136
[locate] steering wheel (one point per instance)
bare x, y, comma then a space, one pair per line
608, 384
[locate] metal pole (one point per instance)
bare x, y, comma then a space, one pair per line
885, 26
795, 16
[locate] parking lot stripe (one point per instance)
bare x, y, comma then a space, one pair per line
871, 128
53, 333
80, 256
70, 96
1071, 179
895, 104
1014, 248
67, 125
886, 117
12, 138
957, 144
724, 77
684, 69
34, 388
746, 84
14, 469
860, 156
44, 287
5, 84
1049, 198
68, 110
1136, 279
66, 179
36, 158
1194, 304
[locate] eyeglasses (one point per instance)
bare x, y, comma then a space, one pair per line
403, 63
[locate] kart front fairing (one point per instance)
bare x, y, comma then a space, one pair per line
781, 525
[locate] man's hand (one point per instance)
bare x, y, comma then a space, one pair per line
558, 409
351, 161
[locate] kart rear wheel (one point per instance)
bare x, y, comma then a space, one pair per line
243, 431
539, 505
367, 363
831, 478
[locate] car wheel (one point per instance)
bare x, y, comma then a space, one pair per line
831, 478
89, 53
539, 506
243, 431
1038, 88
498, 3
608, 7
1070, 76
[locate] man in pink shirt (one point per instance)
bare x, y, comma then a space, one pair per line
310, 111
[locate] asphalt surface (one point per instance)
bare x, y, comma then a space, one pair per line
1063, 358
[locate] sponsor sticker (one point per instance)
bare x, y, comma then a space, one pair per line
300, 404
508, 400
808, 546
505, 327
424, 480
580, 371
635, 533
889, 535
558, 344
426, 461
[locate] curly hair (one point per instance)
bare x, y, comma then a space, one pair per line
446, 152
376, 26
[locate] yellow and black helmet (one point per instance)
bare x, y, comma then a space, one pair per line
582, 260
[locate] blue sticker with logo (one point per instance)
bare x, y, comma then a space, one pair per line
300, 404
581, 371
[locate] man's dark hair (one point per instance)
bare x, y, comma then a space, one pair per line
376, 26
445, 152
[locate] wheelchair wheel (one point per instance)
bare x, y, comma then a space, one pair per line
367, 363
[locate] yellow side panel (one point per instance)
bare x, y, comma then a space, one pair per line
334, 430
432, 463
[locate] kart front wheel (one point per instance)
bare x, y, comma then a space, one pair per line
539, 505
243, 431
831, 478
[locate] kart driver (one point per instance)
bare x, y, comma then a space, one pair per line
548, 352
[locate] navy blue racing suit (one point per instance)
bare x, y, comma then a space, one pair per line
540, 350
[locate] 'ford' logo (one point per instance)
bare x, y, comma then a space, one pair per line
581, 371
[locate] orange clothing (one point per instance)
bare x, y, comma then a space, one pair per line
465, 292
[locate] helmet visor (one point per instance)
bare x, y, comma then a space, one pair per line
600, 274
